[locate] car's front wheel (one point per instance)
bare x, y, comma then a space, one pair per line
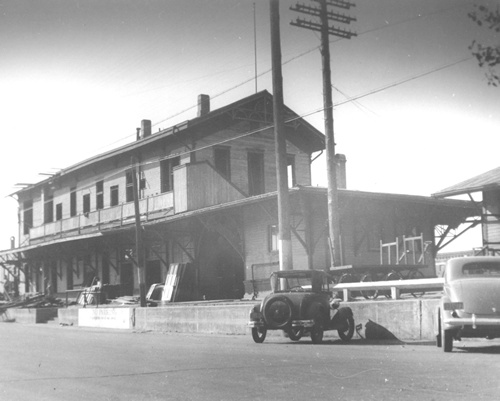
259, 334
317, 334
346, 335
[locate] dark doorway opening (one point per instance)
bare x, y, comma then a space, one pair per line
153, 273
127, 278
221, 270
255, 173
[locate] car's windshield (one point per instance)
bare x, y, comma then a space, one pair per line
299, 282
481, 269
295, 282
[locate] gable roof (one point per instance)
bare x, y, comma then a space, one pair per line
481, 182
312, 142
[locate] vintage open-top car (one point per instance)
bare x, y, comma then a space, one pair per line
301, 304
470, 306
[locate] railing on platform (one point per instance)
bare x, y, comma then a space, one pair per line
395, 287
97, 218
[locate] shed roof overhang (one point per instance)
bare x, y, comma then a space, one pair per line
449, 212
487, 181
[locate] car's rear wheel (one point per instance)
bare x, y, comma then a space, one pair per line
259, 334
295, 333
278, 312
346, 335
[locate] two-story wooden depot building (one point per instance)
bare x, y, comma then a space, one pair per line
207, 197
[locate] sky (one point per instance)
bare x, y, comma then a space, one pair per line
413, 112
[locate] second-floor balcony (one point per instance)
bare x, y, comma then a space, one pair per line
116, 216
196, 185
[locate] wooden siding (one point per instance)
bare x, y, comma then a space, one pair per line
199, 185
491, 218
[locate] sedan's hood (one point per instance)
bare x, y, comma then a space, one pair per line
480, 296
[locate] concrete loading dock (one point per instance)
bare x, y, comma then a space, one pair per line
405, 319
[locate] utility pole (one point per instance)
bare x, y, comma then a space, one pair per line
325, 29
284, 232
139, 246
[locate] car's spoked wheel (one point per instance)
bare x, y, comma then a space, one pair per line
416, 274
295, 333
258, 335
369, 294
349, 278
278, 312
347, 334
393, 275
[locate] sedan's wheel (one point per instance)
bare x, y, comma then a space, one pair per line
439, 342
295, 333
317, 334
258, 335
447, 339
347, 334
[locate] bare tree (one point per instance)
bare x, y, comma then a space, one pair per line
488, 56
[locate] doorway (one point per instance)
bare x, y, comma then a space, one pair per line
153, 273
127, 279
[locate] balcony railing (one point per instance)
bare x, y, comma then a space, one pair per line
148, 207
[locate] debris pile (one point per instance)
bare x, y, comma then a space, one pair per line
29, 301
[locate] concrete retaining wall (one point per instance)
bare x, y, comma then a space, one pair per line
33, 315
222, 319
406, 320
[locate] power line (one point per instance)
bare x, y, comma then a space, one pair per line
270, 126
403, 81
420, 16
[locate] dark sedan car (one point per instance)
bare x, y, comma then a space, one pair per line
470, 306
301, 304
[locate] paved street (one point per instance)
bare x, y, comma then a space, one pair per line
49, 362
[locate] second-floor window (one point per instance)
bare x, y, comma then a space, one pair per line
129, 182
72, 202
59, 211
99, 195
86, 204
222, 161
114, 195
27, 216
255, 173
167, 173
48, 209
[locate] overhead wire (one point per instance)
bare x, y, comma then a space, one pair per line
350, 99
302, 116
